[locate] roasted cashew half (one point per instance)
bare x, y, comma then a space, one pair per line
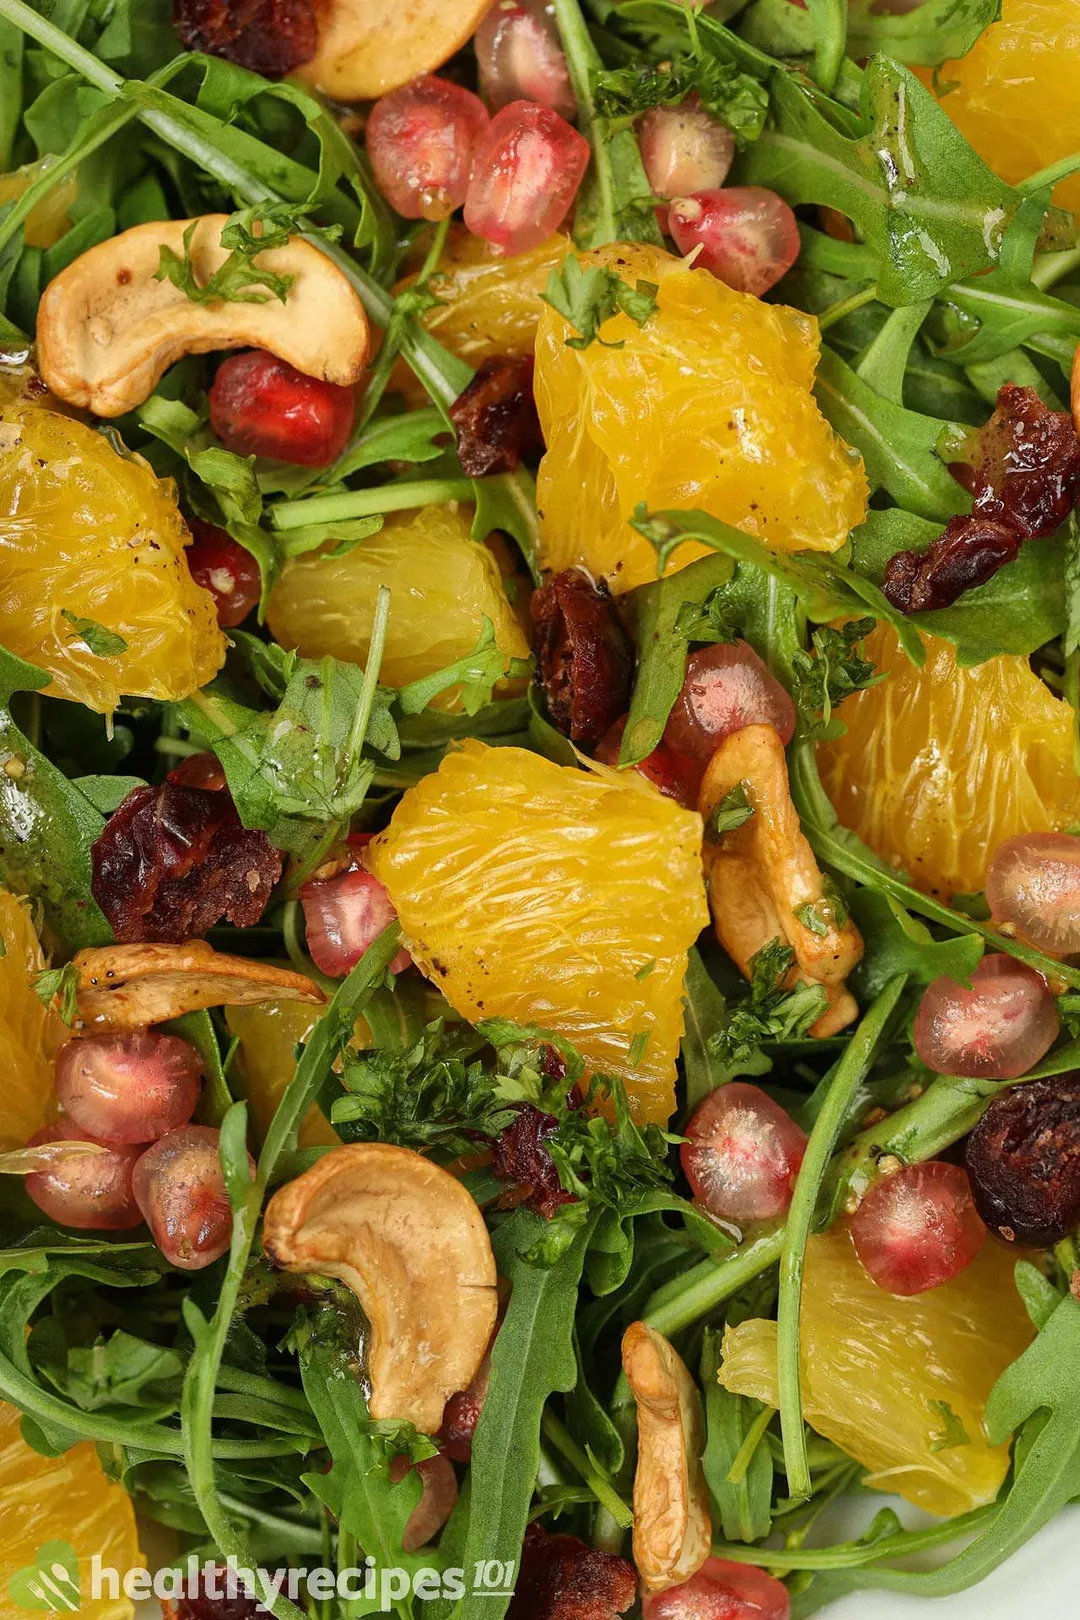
761, 874
367, 47
411, 1244
672, 1526
130, 986
107, 331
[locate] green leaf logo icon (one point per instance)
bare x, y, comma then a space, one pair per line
50, 1585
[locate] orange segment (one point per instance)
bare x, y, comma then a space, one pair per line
67, 1501
709, 404
541, 893
88, 534
29, 1033
1014, 96
871, 1381
266, 1061
940, 764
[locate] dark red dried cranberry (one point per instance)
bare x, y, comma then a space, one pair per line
520, 1157
461, 1414
269, 36
1023, 1158
586, 667
968, 553
562, 1578
495, 417
219, 1597
221, 566
173, 861
1026, 471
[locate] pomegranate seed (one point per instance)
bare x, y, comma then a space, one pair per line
721, 1591
678, 776
343, 915
92, 1192
1034, 883
128, 1088
262, 406
222, 567
997, 1030
181, 1191
726, 688
918, 1228
526, 172
420, 139
435, 1505
684, 150
743, 1155
199, 771
748, 236
520, 57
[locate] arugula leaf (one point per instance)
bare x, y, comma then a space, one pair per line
103, 643
952, 1432
61, 985
732, 812
896, 942
768, 1012
476, 675
733, 97
745, 1506
1071, 642
706, 1013
835, 670
935, 32
589, 297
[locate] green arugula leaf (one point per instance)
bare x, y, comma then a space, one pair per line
744, 1507
477, 675
732, 812
589, 297
932, 33
1071, 642
896, 942
952, 1432
60, 985
706, 1016
95, 637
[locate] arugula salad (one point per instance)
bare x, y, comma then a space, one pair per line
539, 803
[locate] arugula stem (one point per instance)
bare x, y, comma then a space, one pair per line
754, 1436
851, 1554
602, 1489
290, 1537
583, 60
847, 1077
697, 1292
369, 502
830, 20
1059, 170
847, 306
328, 1038
376, 647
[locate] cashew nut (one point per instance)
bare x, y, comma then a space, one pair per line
367, 47
761, 873
672, 1527
107, 331
129, 986
411, 1243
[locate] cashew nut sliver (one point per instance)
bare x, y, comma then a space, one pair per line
760, 873
672, 1526
367, 47
411, 1244
129, 986
107, 331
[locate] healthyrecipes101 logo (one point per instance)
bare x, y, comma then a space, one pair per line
51, 1583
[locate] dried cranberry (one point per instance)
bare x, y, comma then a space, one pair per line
269, 36
1027, 465
586, 668
968, 553
262, 406
220, 1596
1023, 1158
222, 567
496, 418
562, 1578
520, 1157
461, 1414
173, 861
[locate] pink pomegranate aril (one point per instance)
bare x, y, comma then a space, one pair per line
199, 771
526, 172
748, 237
1034, 884
262, 406
743, 1155
420, 140
128, 1088
222, 567
520, 57
678, 776
997, 1030
721, 1591
180, 1189
726, 687
918, 1228
440, 1493
93, 1192
343, 915
685, 150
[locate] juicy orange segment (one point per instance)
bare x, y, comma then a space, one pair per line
46, 223
880, 1371
29, 1032
548, 895
1014, 95
87, 534
709, 405
50, 1507
442, 587
940, 764
269, 1033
